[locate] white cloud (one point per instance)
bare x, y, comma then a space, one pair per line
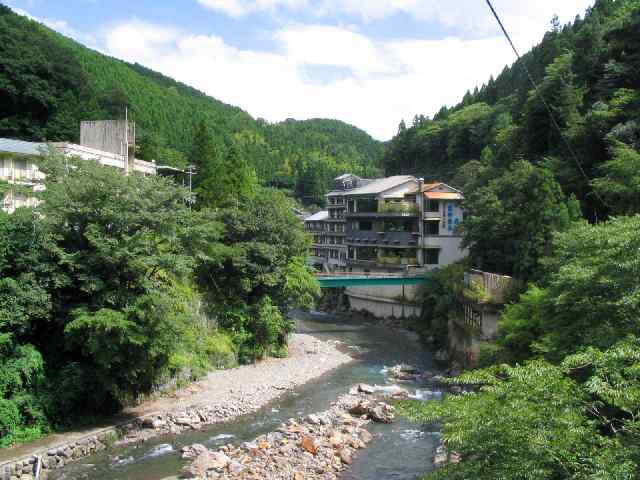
142, 42
380, 81
238, 8
385, 81
471, 16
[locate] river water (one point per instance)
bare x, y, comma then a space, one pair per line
401, 451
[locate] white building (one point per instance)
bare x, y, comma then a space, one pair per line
18, 167
389, 224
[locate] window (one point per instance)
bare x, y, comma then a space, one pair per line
432, 228
432, 256
365, 226
433, 206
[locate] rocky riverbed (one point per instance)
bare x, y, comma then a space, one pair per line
227, 394
222, 396
319, 446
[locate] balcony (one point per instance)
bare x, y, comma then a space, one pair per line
395, 260
383, 239
389, 210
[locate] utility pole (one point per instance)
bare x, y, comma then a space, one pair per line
126, 140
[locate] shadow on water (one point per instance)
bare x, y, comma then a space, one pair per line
399, 451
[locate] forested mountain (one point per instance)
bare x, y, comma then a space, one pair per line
558, 396
588, 74
49, 83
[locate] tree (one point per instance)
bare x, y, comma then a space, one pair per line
529, 421
257, 274
621, 183
589, 297
510, 222
559, 91
203, 154
228, 181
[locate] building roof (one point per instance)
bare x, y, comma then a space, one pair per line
317, 217
381, 185
443, 196
345, 175
430, 186
21, 147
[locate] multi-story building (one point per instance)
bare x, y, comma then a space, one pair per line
316, 226
382, 225
336, 225
441, 214
18, 163
387, 225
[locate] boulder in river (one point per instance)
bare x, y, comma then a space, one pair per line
364, 388
193, 451
381, 412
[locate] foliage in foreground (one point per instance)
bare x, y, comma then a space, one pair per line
114, 286
569, 403
540, 421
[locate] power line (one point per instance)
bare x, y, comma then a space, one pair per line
546, 105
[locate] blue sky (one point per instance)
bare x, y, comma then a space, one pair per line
371, 63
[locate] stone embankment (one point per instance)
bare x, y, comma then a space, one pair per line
221, 397
319, 446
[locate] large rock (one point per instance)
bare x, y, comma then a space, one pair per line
204, 462
345, 456
364, 388
365, 436
309, 444
193, 451
381, 413
336, 439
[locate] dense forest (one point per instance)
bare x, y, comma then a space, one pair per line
587, 73
117, 285
49, 83
557, 395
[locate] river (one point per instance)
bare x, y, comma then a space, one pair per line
399, 451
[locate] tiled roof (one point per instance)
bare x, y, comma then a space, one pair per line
381, 185
18, 146
428, 186
317, 217
443, 196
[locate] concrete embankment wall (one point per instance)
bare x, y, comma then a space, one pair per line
469, 328
37, 466
392, 301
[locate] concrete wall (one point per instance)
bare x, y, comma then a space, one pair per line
381, 307
108, 135
389, 292
39, 465
470, 327
451, 249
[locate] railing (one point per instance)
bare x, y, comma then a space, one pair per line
484, 287
399, 207
397, 260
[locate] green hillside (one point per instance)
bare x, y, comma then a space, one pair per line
587, 72
49, 83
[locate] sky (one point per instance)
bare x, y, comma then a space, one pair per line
371, 63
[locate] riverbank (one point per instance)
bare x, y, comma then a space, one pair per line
220, 397
317, 447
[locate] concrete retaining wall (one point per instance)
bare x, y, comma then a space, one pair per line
382, 308
37, 466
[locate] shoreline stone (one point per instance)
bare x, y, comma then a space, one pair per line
302, 449
237, 402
